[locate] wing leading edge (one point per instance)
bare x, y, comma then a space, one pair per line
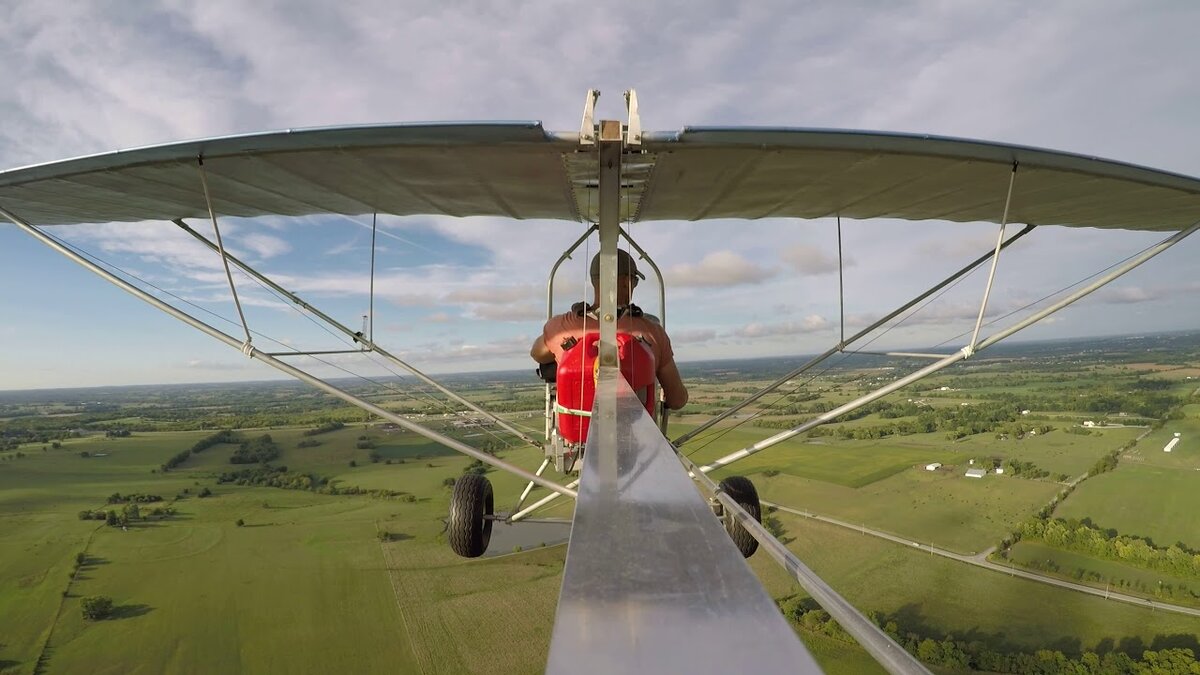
518, 170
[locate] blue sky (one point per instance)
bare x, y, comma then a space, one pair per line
1115, 80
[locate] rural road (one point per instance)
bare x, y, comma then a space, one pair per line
980, 560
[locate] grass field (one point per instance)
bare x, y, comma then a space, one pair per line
1124, 578
307, 586
1147, 501
944, 508
937, 596
1057, 451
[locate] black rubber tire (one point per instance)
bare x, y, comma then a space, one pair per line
744, 493
468, 530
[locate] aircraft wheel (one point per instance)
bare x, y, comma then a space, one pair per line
468, 530
744, 493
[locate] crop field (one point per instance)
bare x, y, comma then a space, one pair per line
841, 462
1146, 501
945, 508
1124, 578
937, 596
262, 579
1056, 452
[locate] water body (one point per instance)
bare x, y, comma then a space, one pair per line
505, 538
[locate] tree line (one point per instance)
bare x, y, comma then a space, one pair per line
949, 652
1083, 537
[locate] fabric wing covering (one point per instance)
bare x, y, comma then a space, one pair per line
518, 170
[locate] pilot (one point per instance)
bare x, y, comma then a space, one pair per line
548, 347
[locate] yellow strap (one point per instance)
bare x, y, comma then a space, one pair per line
559, 408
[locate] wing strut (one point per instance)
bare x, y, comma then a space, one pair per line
964, 353
362, 338
254, 353
857, 336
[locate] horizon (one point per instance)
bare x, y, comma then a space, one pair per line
468, 294
514, 371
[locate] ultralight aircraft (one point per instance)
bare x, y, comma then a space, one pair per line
655, 577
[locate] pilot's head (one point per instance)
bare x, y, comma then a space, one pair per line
627, 276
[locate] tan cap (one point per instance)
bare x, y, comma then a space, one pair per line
626, 267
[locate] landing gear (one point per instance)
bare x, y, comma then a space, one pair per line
470, 527
745, 494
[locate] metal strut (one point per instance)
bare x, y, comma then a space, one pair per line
224, 256
962, 354
297, 373
362, 338
854, 338
878, 644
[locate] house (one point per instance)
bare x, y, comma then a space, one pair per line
976, 473
999, 470
1089, 424
933, 467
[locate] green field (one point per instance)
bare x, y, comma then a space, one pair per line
942, 596
951, 511
307, 584
1146, 501
1125, 578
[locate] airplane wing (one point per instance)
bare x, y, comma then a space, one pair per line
519, 170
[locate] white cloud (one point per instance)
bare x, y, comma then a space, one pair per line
491, 294
692, 336
810, 260
723, 268
809, 324
523, 312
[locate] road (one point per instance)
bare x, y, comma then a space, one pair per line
980, 560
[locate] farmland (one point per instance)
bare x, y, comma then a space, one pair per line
353, 573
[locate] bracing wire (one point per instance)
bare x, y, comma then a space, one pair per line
385, 386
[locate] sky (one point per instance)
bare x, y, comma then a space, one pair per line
1113, 79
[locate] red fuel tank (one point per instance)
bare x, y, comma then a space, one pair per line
576, 380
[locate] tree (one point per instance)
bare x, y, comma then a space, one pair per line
240, 522
111, 519
96, 607
206, 492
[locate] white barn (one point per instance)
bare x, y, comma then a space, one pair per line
976, 473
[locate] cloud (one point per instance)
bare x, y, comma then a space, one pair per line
491, 294
809, 324
439, 317
263, 246
810, 260
1128, 295
723, 268
692, 336
523, 313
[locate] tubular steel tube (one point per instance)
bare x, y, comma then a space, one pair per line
529, 487
878, 644
363, 339
836, 412
966, 352
987, 290
280, 365
833, 350
524, 513
549, 424
662, 286
1103, 281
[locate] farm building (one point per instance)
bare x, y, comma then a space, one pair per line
999, 470
933, 467
1171, 445
1089, 424
976, 473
